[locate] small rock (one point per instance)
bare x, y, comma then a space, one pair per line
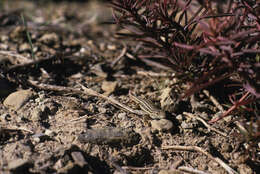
49, 132
17, 99
49, 38
179, 117
108, 87
24, 47
111, 47
122, 116
36, 114
162, 124
17, 164
79, 158
168, 100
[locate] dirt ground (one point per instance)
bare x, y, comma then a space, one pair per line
50, 123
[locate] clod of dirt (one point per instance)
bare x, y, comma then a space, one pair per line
162, 125
18, 164
25, 47
36, 114
108, 87
17, 99
67, 168
109, 136
49, 38
169, 100
78, 158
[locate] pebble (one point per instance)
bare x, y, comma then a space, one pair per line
36, 114
79, 158
108, 87
49, 38
122, 116
179, 117
17, 99
162, 124
111, 47
49, 132
17, 164
24, 47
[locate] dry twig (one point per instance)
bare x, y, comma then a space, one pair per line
137, 168
15, 128
123, 52
191, 170
214, 100
153, 74
216, 103
87, 91
18, 57
205, 124
241, 101
111, 100
28, 64
198, 149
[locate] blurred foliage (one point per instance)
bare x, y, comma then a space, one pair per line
204, 42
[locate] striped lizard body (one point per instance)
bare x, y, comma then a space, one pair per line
148, 107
